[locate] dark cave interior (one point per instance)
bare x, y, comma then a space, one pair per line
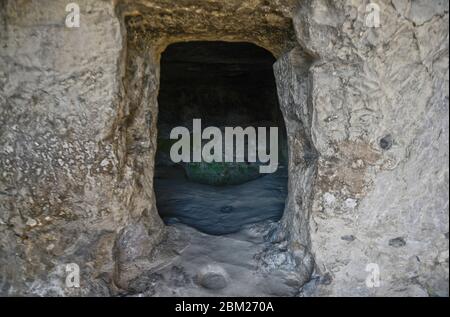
225, 85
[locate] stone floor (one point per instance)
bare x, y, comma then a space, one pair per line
227, 265
219, 237
220, 210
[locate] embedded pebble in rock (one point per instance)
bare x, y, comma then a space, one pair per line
386, 142
212, 277
31, 222
349, 238
397, 242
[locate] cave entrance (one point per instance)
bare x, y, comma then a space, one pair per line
224, 84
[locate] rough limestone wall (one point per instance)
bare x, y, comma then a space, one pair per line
380, 126
78, 112
69, 177
162, 22
135, 142
293, 86
75, 148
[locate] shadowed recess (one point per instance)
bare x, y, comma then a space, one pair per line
224, 85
